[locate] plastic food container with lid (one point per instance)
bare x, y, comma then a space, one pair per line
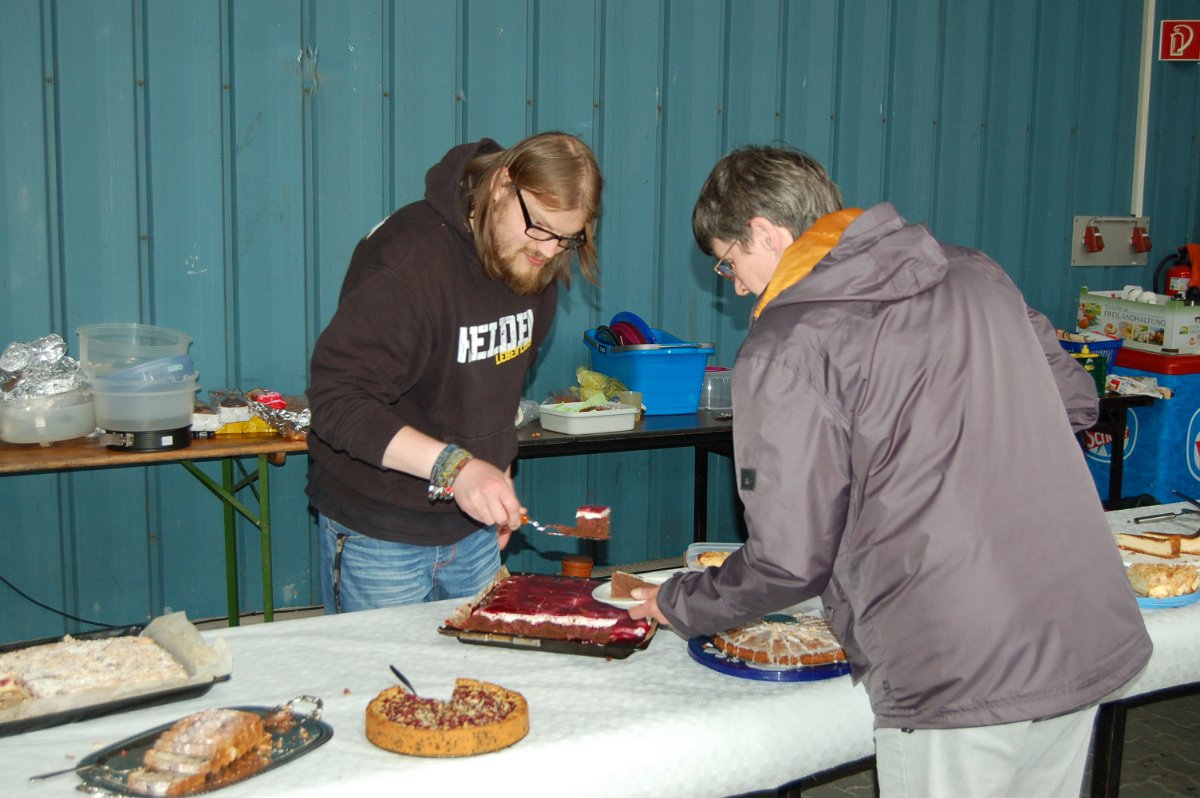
107, 348
580, 418
151, 407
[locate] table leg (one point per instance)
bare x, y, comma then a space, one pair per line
1116, 467
227, 493
264, 531
1107, 749
700, 495
232, 600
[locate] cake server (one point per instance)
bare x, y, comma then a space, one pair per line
1186, 498
1145, 519
404, 681
549, 529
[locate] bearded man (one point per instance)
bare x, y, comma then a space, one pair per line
417, 378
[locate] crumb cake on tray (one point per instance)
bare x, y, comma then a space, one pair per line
552, 609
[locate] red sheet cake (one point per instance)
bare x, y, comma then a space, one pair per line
554, 607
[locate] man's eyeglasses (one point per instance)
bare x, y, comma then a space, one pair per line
542, 234
724, 266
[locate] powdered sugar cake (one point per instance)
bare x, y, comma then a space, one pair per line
549, 607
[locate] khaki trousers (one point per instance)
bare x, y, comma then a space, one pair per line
1029, 759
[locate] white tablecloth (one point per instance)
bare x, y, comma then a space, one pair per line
654, 724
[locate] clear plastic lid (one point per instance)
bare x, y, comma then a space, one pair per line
152, 373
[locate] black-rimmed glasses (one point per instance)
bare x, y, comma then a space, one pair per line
724, 266
542, 234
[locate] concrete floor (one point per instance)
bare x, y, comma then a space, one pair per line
1160, 758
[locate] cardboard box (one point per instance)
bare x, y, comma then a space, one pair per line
1169, 327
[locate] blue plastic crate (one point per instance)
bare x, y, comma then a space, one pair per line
668, 374
1104, 345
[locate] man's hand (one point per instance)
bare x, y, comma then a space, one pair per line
649, 606
486, 493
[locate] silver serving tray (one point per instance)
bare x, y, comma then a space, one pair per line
104, 772
125, 703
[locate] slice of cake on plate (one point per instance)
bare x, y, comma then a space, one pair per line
623, 583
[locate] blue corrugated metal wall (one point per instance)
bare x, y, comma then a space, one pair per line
209, 165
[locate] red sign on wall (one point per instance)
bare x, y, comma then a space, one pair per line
1179, 40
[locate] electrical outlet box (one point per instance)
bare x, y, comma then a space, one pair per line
1117, 232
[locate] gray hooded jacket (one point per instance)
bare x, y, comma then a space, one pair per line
904, 448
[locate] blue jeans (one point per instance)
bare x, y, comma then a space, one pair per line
362, 573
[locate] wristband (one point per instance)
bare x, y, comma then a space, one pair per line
445, 470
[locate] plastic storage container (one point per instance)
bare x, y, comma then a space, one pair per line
163, 371
668, 374
1104, 345
568, 419
156, 407
105, 348
46, 419
717, 392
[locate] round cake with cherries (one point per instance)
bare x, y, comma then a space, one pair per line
479, 717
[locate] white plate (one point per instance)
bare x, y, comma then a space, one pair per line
603, 591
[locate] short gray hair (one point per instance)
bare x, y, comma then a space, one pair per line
783, 185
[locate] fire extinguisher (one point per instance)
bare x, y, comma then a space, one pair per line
1178, 273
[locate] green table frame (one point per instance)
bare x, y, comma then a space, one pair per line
269, 449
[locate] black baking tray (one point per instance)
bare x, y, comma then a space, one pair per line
106, 770
123, 704
553, 646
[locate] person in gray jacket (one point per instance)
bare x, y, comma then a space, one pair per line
903, 434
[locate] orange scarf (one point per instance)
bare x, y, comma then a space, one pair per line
806, 252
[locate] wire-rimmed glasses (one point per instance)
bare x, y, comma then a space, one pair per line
724, 266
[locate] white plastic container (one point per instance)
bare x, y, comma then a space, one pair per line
153, 409
46, 419
716, 393
105, 348
691, 558
570, 418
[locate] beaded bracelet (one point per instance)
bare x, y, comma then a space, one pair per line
445, 471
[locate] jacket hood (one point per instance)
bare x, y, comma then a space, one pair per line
880, 257
444, 188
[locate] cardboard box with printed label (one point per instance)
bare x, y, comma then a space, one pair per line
1170, 327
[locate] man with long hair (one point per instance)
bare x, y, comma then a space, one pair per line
417, 379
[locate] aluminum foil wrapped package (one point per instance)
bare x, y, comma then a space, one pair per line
287, 415
39, 368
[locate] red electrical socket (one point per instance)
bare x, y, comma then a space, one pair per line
1092, 240
1140, 239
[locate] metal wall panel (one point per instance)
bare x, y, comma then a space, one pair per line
209, 165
